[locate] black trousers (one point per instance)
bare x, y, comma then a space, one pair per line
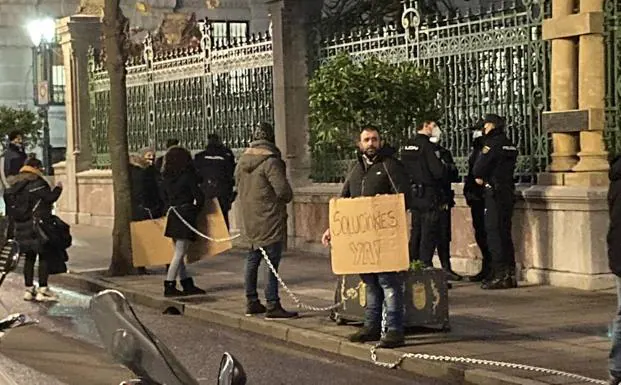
444, 238
29, 263
498, 215
477, 210
424, 235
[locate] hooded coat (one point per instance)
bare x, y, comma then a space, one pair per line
614, 211
263, 193
40, 203
146, 201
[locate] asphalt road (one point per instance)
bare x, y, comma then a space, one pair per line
65, 348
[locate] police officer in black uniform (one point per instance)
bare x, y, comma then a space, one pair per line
426, 173
494, 170
216, 166
446, 203
475, 198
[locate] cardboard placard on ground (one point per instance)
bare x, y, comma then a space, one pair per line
151, 248
369, 234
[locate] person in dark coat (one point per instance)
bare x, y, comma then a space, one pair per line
216, 166
614, 262
182, 194
170, 143
15, 156
30, 196
146, 202
475, 198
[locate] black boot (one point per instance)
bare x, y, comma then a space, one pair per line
254, 307
189, 288
275, 311
170, 289
366, 335
142, 271
505, 282
452, 276
391, 340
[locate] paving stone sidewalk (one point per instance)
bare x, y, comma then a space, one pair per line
555, 328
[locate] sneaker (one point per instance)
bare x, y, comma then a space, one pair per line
44, 294
391, 340
277, 312
499, 284
366, 335
30, 293
254, 307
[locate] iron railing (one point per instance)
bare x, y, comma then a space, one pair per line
188, 93
490, 62
612, 35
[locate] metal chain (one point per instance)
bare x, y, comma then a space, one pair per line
475, 361
197, 232
351, 293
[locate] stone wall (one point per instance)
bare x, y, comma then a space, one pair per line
559, 232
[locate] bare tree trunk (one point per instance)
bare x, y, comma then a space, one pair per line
115, 28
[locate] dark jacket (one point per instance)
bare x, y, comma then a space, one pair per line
472, 191
496, 164
216, 166
264, 192
614, 211
451, 175
426, 172
382, 175
14, 159
146, 200
182, 192
41, 198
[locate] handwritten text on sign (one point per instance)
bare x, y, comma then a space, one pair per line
369, 234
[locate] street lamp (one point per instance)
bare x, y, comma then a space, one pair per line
42, 33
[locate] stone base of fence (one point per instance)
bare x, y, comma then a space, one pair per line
559, 232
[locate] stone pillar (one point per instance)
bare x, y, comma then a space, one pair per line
592, 91
564, 91
291, 26
77, 34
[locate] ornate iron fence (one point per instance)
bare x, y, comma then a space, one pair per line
612, 23
492, 61
187, 93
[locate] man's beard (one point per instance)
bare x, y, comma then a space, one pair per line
370, 152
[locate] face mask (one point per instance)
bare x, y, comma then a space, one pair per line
477, 134
434, 139
436, 133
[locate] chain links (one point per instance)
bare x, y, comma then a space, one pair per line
351, 293
197, 232
475, 361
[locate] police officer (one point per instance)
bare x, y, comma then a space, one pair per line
475, 198
494, 170
216, 166
446, 203
426, 173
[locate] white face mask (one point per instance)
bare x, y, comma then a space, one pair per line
436, 133
477, 134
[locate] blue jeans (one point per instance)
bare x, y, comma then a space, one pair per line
274, 252
614, 362
388, 288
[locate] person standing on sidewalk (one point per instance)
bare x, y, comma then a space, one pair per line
494, 170
15, 155
181, 193
376, 172
475, 198
216, 166
264, 192
29, 197
614, 261
446, 203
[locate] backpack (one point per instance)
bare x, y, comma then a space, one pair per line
17, 202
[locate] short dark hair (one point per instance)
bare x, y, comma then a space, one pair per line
369, 128
14, 134
423, 123
172, 142
214, 138
33, 162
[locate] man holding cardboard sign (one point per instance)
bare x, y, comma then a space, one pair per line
369, 236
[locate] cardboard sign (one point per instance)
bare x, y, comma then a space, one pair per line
369, 234
151, 248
